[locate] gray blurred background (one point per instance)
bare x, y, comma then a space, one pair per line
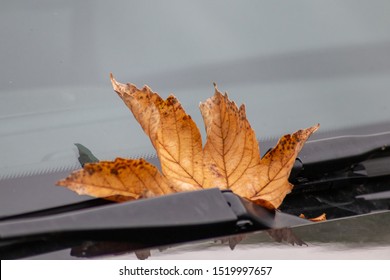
293, 63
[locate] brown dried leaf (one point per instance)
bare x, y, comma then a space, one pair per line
129, 178
275, 168
320, 218
172, 132
179, 146
231, 154
229, 160
142, 103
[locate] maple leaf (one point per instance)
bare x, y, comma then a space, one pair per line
118, 180
319, 218
230, 158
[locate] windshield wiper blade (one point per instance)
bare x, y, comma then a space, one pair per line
341, 158
146, 223
211, 208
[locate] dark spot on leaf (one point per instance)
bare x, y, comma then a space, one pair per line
89, 170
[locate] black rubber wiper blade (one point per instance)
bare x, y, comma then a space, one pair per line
342, 157
205, 208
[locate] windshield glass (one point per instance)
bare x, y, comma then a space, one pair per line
292, 64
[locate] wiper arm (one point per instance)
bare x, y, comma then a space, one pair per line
341, 158
205, 209
144, 223
339, 176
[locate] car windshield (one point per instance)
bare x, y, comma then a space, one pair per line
292, 64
